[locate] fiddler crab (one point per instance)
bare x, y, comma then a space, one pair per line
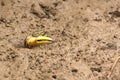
37, 38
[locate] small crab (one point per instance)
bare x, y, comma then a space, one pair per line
37, 38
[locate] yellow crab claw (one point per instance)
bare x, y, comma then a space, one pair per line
31, 41
43, 40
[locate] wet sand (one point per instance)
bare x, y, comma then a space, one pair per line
86, 37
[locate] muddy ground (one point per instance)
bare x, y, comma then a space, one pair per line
86, 37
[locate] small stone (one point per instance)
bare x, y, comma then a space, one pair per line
74, 70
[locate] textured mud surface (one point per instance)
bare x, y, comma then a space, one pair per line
86, 37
